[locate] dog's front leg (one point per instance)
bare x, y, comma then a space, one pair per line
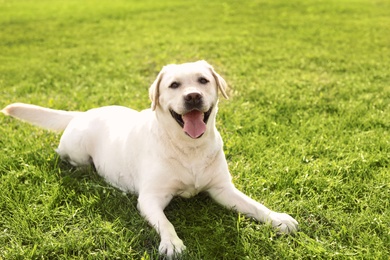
152, 208
230, 197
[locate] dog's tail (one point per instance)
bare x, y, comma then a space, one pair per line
51, 119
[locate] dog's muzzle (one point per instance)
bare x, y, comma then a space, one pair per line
193, 122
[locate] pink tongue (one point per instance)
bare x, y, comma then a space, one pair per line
193, 123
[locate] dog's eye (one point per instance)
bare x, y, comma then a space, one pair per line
203, 80
174, 85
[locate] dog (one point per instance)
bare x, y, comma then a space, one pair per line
171, 149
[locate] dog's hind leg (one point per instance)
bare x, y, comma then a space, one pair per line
73, 159
73, 148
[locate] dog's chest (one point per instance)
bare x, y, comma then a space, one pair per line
188, 188
193, 179
193, 170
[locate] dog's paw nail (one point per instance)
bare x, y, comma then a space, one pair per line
284, 223
172, 248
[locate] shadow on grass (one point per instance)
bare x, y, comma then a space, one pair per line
208, 230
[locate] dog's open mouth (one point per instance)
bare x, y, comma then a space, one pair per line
193, 122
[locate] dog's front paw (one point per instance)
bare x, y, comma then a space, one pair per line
283, 222
171, 248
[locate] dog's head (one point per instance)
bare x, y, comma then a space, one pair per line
188, 93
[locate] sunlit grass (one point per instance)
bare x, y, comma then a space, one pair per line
306, 129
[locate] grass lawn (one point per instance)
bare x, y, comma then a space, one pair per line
306, 130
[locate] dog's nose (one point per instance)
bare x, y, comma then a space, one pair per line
193, 98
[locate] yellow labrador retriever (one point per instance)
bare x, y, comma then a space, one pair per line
172, 149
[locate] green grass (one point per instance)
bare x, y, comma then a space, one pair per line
306, 130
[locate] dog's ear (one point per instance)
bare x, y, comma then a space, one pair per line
154, 90
221, 83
